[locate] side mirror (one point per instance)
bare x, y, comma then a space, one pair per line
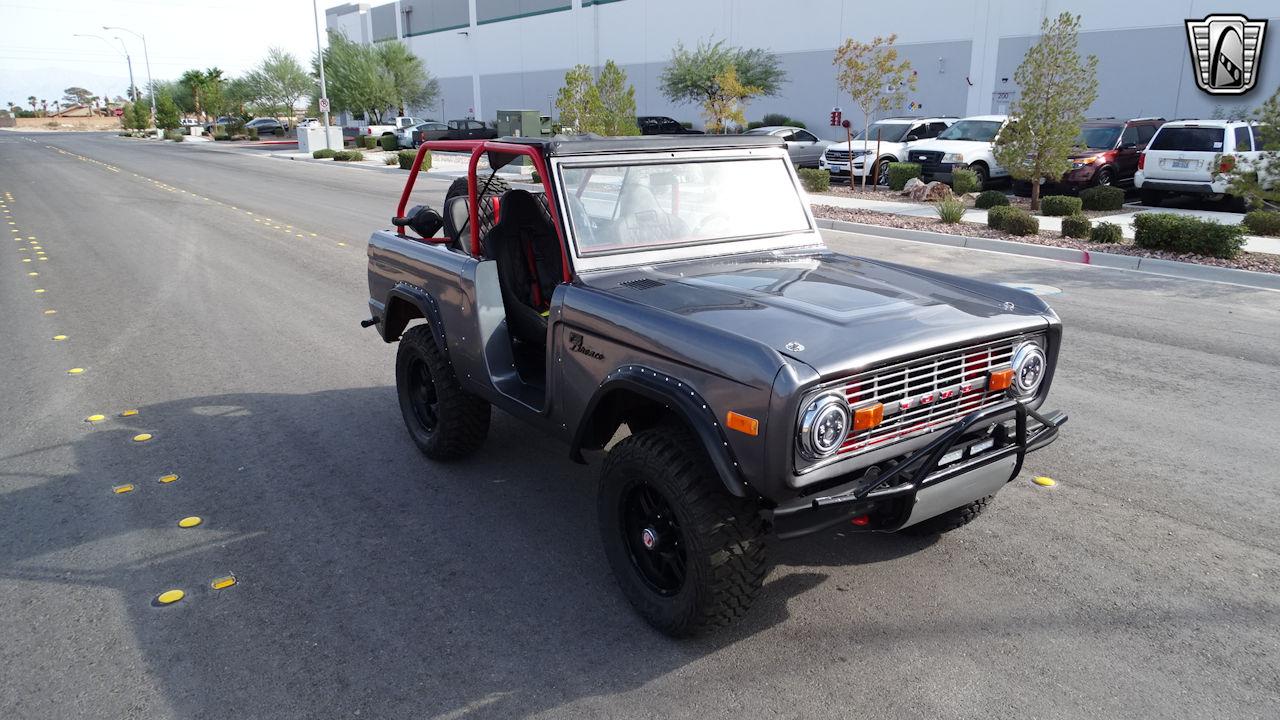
912, 138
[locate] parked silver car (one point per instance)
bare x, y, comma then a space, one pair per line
803, 146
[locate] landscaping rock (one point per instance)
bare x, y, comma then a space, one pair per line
932, 192
912, 184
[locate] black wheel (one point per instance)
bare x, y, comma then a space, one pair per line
1104, 177
983, 175
687, 555
1151, 198
445, 421
484, 186
950, 520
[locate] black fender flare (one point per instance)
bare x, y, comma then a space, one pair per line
426, 305
681, 398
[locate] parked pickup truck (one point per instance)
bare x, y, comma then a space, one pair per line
769, 387
398, 124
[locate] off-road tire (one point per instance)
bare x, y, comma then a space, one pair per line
951, 519
494, 186
723, 536
462, 419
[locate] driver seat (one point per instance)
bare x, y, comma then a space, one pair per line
526, 249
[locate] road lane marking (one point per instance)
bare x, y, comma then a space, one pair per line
190, 521
166, 479
122, 489
142, 437
59, 337
128, 413
169, 597
222, 583
75, 371
95, 418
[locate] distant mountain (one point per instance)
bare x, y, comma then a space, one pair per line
49, 82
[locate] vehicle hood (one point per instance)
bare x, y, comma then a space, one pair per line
951, 146
833, 312
1076, 154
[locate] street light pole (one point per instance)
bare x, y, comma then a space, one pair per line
133, 89
324, 90
151, 88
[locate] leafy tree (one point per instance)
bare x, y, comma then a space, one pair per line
696, 76
32, 100
1056, 89
412, 85
725, 103
167, 116
874, 77
141, 112
193, 81
617, 102
278, 83
77, 96
1258, 182
606, 106
574, 99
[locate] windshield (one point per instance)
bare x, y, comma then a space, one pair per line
1190, 139
889, 132
1098, 138
972, 130
618, 208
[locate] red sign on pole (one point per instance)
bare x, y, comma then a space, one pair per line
836, 116
119, 112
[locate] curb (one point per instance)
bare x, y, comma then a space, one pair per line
1155, 266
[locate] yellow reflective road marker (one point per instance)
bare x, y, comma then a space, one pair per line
122, 489
26, 259
39, 291
95, 418
1045, 481
189, 522
59, 337
224, 582
33, 274
169, 597
342, 244
166, 479
128, 413
42, 257
75, 371
50, 312
142, 437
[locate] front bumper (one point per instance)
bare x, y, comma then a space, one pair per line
841, 167
919, 487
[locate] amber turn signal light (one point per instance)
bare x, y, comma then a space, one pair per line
867, 417
742, 423
1000, 379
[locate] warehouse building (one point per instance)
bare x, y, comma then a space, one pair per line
492, 55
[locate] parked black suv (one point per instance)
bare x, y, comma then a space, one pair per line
660, 125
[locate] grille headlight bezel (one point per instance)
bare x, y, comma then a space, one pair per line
1030, 366
824, 426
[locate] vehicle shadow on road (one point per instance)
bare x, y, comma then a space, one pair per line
369, 579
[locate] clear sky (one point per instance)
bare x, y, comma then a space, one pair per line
40, 55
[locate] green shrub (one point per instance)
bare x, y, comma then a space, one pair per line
1020, 222
900, 173
369, 142
776, 119
323, 153
989, 199
815, 179
1076, 226
754, 124
389, 143
251, 133
390, 160
405, 158
951, 211
348, 155
535, 178
964, 180
179, 137
173, 135
997, 215
1105, 232
1103, 197
1181, 233
1059, 205
221, 134
1263, 222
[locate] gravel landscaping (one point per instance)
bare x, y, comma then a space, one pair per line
886, 195
1257, 262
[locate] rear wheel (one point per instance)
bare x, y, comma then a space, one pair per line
687, 555
445, 421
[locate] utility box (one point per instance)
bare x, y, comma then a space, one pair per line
521, 123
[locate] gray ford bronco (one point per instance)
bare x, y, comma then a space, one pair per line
769, 388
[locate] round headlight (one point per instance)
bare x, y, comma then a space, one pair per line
824, 425
1029, 368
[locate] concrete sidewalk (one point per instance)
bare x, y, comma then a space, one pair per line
1253, 243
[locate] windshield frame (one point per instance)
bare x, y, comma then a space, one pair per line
1000, 124
594, 261
906, 128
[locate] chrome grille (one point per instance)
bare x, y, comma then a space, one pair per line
926, 393
843, 155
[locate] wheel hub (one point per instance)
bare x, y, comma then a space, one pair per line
649, 538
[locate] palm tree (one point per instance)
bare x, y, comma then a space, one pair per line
32, 99
44, 108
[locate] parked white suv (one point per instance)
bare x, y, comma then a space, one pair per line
1186, 157
966, 143
895, 135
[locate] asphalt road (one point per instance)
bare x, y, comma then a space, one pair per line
218, 294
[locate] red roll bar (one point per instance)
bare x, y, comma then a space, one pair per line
478, 148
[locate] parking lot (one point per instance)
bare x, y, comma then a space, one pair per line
218, 294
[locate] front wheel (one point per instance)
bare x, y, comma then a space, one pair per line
1104, 177
445, 421
689, 556
984, 175
882, 172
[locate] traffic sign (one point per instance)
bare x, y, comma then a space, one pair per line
324, 104
836, 116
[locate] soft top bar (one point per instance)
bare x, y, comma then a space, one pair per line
478, 148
